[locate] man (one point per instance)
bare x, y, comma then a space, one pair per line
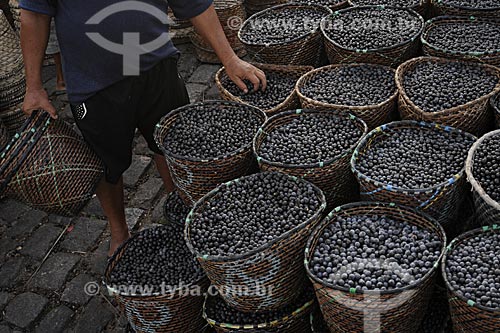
108, 105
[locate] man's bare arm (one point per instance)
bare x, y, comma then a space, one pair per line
208, 26
34, 37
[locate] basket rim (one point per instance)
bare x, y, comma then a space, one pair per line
156, 133
279, 7
417, 3
469, 170
379, 7
295, 314
300, 84
262, 132
493, 100
444, 4
397, 125
326, 221
222, 71
446, 19
450, 248
401, 71
122, 248
224, 258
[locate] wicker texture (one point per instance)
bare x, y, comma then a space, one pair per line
334, 177
389, 56
275, 266
295, 322
420, 6
495, 106
195, 177
487, 209
254, 6
4, 135
13, 118
491, 58
442, 7
440, 201
372, 115
174, 312
473, 117
16, 13
466, 315
305, 50
49, 167
291, 102
230, 12
400, 310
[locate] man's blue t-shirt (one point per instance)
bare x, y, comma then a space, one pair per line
94, 34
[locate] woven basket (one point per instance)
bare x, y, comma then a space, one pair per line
254, 6
487, 209
466, 315
495, 106
16, 13
4, 136
171, 217
334, 177
295, 322
49, 167
305, 50
275, 268
388, 56
420, 6
443, 7
196, 177
174, 311
291, 102
336, 5
373, 115
440, 201
473, 117
318, 324
491, 58
13, 118
10, 50
400, 310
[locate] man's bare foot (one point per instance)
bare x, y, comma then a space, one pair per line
116, 241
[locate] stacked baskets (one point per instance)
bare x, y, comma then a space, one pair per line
473, 117
467, 315
196, 177
334, 176
395, 310
16, 13
390, 56
180, 29
491, 57
495, 106
302, 50
275, 266
440, 201
487, 209
231, 13
12, 81
372, 115
291, 102
457, 8
4, 135
255, 6
49, 167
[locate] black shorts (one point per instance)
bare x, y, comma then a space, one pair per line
108, 120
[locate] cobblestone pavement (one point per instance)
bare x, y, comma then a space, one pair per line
50, 297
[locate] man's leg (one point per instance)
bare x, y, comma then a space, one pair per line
60, 84
161, 165
111, 198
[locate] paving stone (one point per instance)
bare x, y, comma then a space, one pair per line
84, 235
26, 223
5, 329
212, 93
99, 258
7, 245
24, 309
41, 241
61, 221
187, 66
55, 321
136, 170
204, 74
195, 91
141, 146
4, 298
94, 317
66, 114
133, 215
146, 193
75, 292
94, 208
11, 210
11, 271
157, 215
55, 270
